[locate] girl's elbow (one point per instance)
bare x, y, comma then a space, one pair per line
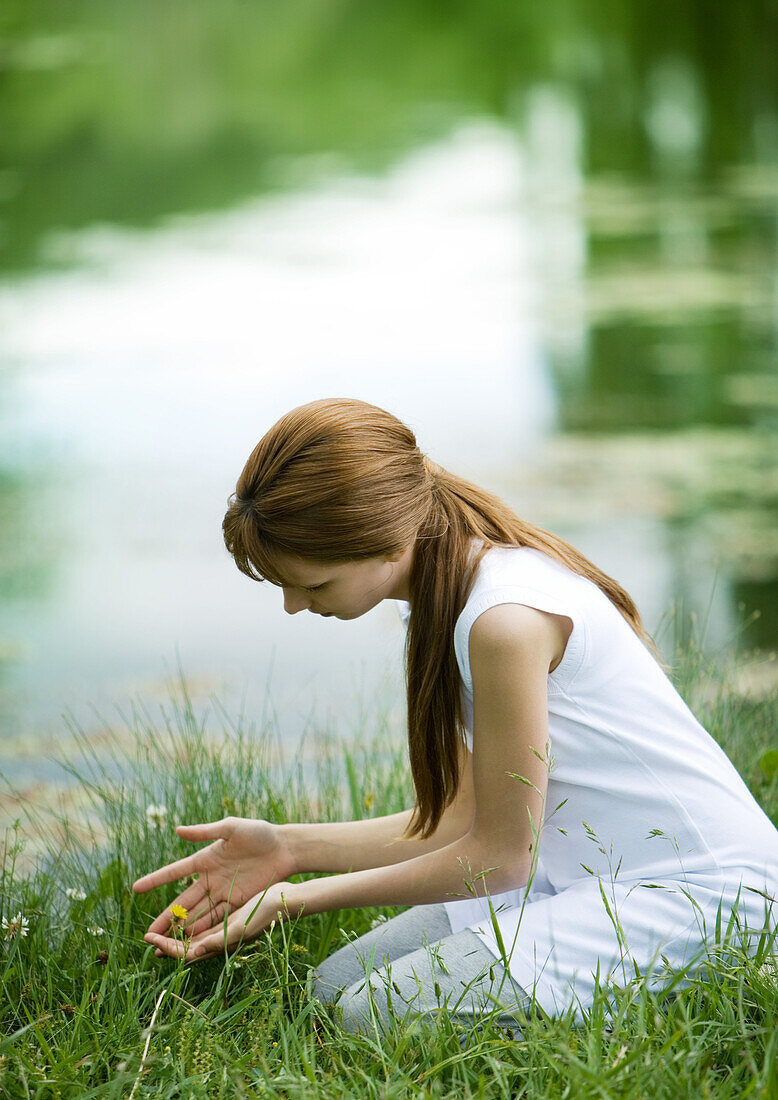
501, 870
516, 875
501, 878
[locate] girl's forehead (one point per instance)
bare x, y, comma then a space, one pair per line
286, 569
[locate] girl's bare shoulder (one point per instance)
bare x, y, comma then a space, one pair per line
518, 628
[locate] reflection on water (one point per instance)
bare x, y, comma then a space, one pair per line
563, 277
142, 380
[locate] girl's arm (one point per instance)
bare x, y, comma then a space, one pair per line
512, 648
377, 842
246, 856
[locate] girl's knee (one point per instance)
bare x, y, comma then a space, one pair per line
353, 1009
370, 1006
363, 1006
335, 973
325, 987
348, 1006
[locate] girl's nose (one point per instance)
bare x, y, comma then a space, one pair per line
295, 601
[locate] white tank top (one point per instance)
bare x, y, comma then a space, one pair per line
639, 794
630, 760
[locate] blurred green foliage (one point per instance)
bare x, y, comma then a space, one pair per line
128, 112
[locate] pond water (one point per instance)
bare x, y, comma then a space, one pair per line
593, 339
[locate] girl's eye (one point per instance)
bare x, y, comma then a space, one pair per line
313, 587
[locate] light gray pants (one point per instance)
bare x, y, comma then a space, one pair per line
413, 967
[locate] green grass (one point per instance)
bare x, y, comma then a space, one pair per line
89, 1011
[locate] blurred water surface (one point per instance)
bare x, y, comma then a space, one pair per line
546, 239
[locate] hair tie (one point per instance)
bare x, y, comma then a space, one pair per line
433, 470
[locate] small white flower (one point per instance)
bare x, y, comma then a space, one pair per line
75, 895
16, 926
95, 930
380, 919
156, 814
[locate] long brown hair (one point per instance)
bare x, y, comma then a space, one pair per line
340, 480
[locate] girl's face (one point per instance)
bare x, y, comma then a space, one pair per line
344, 590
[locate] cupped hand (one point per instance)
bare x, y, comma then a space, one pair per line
241, 926
243, 860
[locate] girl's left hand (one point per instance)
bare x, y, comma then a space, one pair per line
243, 925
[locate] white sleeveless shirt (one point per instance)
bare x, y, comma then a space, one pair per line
647, 826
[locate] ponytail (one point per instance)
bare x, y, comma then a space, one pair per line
341, 480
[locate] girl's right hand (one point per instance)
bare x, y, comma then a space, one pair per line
246, 857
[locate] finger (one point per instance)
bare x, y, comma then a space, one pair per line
202, 954
213, 942
170, 873
211, 931
162, 923
208, 917
216, 940
213, 937
194, 899
207, 830
175, 949
208, 947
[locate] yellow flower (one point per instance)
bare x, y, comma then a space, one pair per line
369, 800
178, 911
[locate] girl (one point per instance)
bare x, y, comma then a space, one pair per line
573, 820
